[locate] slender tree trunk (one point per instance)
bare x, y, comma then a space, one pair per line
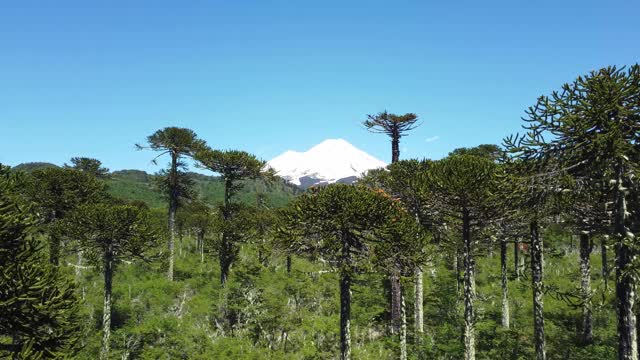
516, 258
456, 267
225, 251
396, 295
200, 244
394, 278
403, 330
173, 207
180, 238
395, 146
79, 266
225, 259
106, 312
345, 300
418, 306
625, 294
585, 289
505, 283
538, 304
605, 265
288, 263
54, 250
469, 289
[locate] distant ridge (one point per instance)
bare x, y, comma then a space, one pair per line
132, 184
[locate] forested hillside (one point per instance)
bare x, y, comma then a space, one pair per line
139, 185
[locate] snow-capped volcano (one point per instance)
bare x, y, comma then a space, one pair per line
333, 160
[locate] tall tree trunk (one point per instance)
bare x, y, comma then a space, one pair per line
79, 266
395, 146
54, 250
288, 263
536, 278
200, 244
469, 289
456, 260
585, 289
173, 207
605, 265
226, 249
505, 283
106, 311
403, 330
396, 295
345, 300
516, 258
394, 278
180, 238
625, 295
225, 258
418, 306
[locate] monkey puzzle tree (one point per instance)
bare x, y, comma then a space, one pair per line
89, 165
234, 166
178, 143
592, 129
110, 234
490, 151
394, 126
408, 181
200, 218
58, 191
349, 226
38, 306
464, 186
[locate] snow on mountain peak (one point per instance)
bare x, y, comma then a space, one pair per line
333, 160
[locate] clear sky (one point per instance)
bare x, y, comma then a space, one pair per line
92, 78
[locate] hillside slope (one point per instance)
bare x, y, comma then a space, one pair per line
139, 185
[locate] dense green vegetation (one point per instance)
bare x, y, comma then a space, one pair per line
139, 185
520, 251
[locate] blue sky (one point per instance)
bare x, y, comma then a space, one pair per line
89, 78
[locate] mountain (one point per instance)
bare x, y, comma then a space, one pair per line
331, 161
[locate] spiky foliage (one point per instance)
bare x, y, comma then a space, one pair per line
234, 166
465, 187
490, 151
38, 306
395, 126
178, 143
591, 130
347, 226
89, 165
110, 234
56, 192
201, 219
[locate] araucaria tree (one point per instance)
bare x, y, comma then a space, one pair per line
233, 166
38, 306
408, 181
89, 165
55, 192
592, 129
348, 226
110, 234
465, 187
394, 126
178, 143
